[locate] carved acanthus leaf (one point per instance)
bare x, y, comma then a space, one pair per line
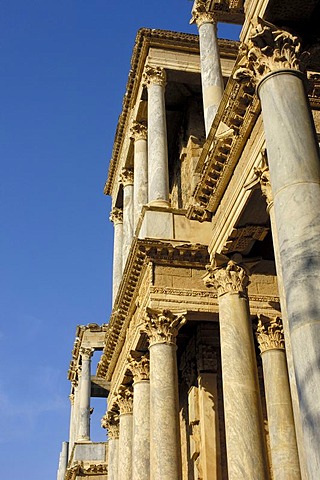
116, 215
269, 49
138, 131
163, 326
125, 399
270, 333
126, 177
232, 278
154, 76
139, 368
262, 173
111, 421
86, 353
201, 15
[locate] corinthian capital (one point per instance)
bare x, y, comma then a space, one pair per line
270, 49
231, 278
138, 131
125, 399
111, 421
200, 14
154, 76
86, 353
163, 327
116, 215
270, 333
139, 368
126, 177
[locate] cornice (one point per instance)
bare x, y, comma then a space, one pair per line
142, 253
144, 40
83, 469
239, 109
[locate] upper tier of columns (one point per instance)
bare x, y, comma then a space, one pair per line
293, 155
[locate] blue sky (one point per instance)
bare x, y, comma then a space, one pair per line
64, 70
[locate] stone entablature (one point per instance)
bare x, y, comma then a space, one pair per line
146, 39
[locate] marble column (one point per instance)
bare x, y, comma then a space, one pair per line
245, 437
262, 173
111, 422
140, 187
127, 182
294, 163
84, 395
63, 461
283, 445
124, 400
116, 216
162, 328
158, 173
211, 74
141, 419
72, 421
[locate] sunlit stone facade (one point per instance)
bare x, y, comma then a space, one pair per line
210, 359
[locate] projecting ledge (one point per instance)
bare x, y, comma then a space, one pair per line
171, 224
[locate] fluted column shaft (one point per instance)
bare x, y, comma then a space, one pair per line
158, 174
84, 395
141, 419
116, 217
283, 445
140, 188
245, 437
127, 182
164, 419
125, 435
294, 163
211, 74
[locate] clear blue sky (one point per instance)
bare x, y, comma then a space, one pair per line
64, 70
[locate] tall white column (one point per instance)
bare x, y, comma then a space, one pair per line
111, 421
127, 182
158, 174
63, 461
140, 187
85, 394
211, 74
72, 421
245, 437
116, 216
141, 419
294, 163
162, 328
283, 445
124, 401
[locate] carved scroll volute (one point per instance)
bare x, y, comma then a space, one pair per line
270, 333
111, 421
126, 177
154, 76
139, 368
201, 15
116, 215
138, 131
125, 399
232, 278
163, 326
269, 49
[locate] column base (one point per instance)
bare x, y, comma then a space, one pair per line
159, 203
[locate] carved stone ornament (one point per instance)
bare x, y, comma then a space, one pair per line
125, 399
231, 278
71, 398
111, 421
262, 173
138, 131
116, 215
154, 76
269, 50
86, 353
270, 333
200, 14
126, 177
163, 327
139, 368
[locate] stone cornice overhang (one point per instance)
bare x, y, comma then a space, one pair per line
145, 39
82, 469
142, 252
239, 109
